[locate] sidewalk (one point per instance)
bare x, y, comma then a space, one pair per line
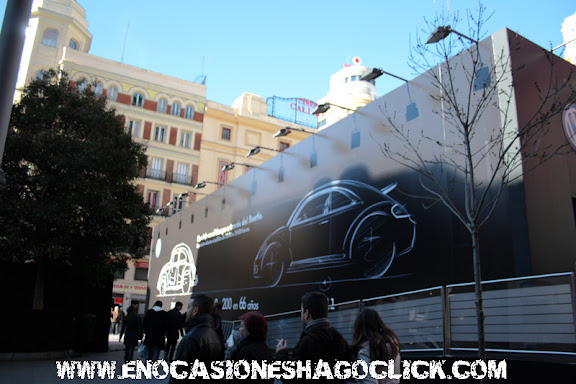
43, 371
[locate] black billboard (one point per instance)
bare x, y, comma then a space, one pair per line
333, 214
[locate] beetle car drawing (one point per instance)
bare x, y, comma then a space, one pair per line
344, 223
178, 275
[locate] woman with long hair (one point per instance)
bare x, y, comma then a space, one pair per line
373, 340
132, 332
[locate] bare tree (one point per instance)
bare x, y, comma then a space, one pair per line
471, 85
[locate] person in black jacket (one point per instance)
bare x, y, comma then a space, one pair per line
201, 343
174, 329
132, 332
155, 330
252, 346
318, 340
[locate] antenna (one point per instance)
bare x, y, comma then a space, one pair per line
125, 38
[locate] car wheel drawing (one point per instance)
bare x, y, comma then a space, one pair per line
344, 223
371, 246
187, 281
273, 264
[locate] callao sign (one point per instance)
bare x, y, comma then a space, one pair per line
304, 106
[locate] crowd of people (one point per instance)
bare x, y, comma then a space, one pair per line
203, 340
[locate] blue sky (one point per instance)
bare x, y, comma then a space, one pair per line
289, 48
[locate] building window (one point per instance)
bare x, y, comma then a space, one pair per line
82, 85
138, 100
50, 38
134, 128
182, 173
112, 93
189, 113
226, 133
162, 106
321, 123
160, 134
176, 109
354, 78
119, 274
98, 89
152, 200
156, 166
73, 44
186, 139
283, 146
141, 274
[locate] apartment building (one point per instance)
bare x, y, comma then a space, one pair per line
188, 139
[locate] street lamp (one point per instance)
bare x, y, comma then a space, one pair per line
326, 106
442, 32
229, 167
482, 76
203, 184
286, 131
256, 150
562, 45
377, 72
412, 108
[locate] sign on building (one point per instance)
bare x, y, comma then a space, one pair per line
294, 110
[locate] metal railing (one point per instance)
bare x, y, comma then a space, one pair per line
156, 174
529, 315
180, 178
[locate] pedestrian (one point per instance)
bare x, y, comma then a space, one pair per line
132, 331
117, 318
373, 340
155, 330
174, 329
252, 345
319, 340
201, 343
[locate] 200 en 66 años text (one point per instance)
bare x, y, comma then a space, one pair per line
242, 369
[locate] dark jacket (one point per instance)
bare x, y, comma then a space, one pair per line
174, 325
319, 341
155, 327
200, 343
252, 348
131, 329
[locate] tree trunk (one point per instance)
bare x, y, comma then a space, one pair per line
38, 300
478, 291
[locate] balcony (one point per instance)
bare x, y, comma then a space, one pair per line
177, 178
155, 174
180, 178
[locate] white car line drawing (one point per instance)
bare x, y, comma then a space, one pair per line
178, 276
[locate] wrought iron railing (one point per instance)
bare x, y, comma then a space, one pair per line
156, 174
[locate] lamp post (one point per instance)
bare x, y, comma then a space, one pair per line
11, 45
326, 106
203, 184
377, 72
287, 130
442, 32
229, 167
256, 150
